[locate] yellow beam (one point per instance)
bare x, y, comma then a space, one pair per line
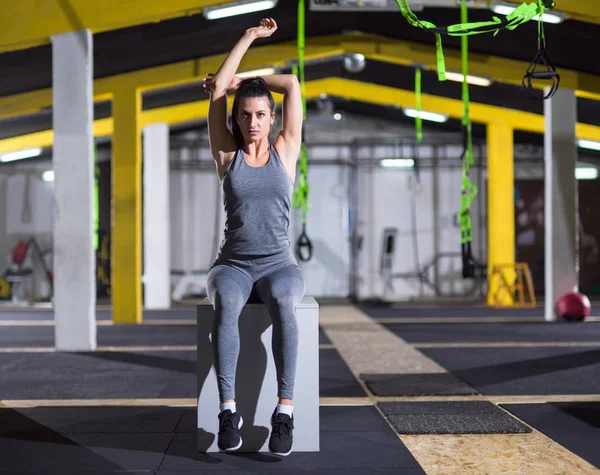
34, 102
500, 204
353, 90
29, 23
481, 113
126, 237
372, 46
169, 75
582, 10
45, 138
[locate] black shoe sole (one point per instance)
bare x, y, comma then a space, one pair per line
232, 449
281, 454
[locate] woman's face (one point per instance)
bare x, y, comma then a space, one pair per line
254, 117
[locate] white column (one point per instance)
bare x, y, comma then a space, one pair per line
560, 157
73, 164
187, 197
157, 252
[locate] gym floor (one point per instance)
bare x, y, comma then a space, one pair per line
404, 390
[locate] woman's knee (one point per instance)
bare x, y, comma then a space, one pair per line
286, 291
227, 290
229, 300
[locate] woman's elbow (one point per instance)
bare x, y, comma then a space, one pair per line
293, 82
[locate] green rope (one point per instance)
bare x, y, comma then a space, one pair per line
300, 199
522, 14
468, 189
418, 118
541, 36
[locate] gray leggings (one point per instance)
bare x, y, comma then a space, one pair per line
280, 285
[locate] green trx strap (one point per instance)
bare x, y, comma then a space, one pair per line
522, 14
300, 199
468, 189
418, 118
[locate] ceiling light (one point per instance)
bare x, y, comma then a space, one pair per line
355, 63
589, 144
471, 79
432, 116
48, 175
256, 73
586, 173
548, 17
237, 8
397, 163
21, 154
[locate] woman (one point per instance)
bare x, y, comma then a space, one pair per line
257, 178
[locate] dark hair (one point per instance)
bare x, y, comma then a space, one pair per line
251, 87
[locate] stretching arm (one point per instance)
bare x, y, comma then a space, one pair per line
222, 143
281, 83
229, 67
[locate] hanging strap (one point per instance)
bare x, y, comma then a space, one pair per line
541, 68
522, 14
304, 247
418, 118
468, 189
300, 199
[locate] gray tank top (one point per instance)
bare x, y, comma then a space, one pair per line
257, 207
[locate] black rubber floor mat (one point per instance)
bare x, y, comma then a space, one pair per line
444, 311
323, 338
525, 332
451, 417
437, 384
335, 378
523, 371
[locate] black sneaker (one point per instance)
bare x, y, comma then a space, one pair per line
282, 438
230, 424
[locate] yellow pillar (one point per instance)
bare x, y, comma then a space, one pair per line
126, 254
500, 203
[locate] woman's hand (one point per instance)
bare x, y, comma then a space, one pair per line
209, 84
266, 28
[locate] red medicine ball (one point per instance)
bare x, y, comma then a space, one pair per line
573, 306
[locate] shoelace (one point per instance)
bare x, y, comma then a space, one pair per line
281, 426
227, 421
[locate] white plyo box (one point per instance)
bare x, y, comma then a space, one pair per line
256, 380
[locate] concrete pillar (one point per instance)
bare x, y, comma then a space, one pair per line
187, 197
560, 217
73, 164
156, 222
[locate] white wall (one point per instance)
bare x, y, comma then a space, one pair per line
423, 209
196, 215
327, 226
385, 199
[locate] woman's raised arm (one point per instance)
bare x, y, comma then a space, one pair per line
221, 139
